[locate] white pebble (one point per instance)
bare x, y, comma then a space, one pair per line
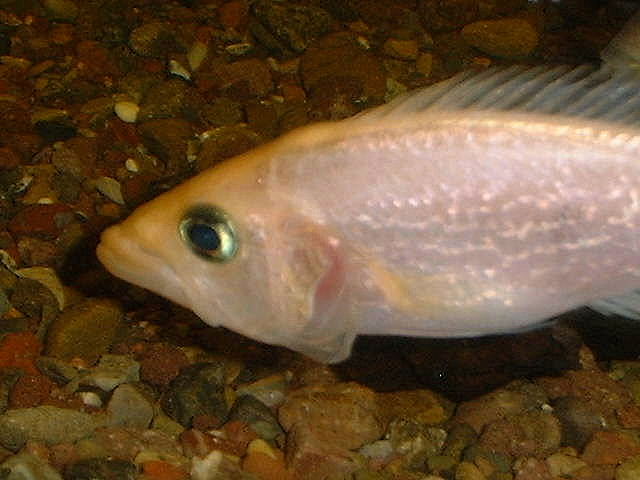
127, 111
131, 165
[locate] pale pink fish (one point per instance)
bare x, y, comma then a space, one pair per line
485, 204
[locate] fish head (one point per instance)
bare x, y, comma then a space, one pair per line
241, 255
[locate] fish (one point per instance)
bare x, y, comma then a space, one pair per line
486, 203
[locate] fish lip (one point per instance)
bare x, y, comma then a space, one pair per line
126, 260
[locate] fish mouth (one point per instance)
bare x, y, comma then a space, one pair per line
133, 263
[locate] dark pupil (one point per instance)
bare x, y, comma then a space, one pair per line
204, 237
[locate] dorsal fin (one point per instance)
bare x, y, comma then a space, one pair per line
610, 92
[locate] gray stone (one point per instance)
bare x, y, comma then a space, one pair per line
57, 370
45, 424
198, 390
250, 410
111, 371
128, 407
416, 441
26, 466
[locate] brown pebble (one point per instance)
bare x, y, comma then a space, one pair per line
30, 391
610, 448
9, 158
234, 14
160, 363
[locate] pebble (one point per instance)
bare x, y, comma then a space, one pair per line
361, 76
102, 469
266, 462
197, 390
173, 98
196, 443
257, 415
55, 130
45, 424
110, 188
270, 390
531, 469
629, 469
415, 441
469, 471
48, 278
502, 403
197, 54
111, 371
127, 111
160, 363
459, 437
222, 111
295, 25
76, 157
85, 330
533, 433
402, 49
160, 470
7, 380
601, 397
342, 415
9, 158
579, 420
421, 405
323, 423
57, 370
129, 407
244, 79
34, 300
217, 466
447, 16
30, 391
155, 40
564, 464
64, 10
26, 466
225, 142
611, 448
44, 221
505, 38
168, 138
19, 351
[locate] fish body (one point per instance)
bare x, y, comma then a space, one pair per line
439, 224
483, 204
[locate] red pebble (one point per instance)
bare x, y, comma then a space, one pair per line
46, 220
30, 391
19, 350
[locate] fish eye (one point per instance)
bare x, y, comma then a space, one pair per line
209, 233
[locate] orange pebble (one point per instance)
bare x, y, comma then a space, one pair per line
159, 470
266, 467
